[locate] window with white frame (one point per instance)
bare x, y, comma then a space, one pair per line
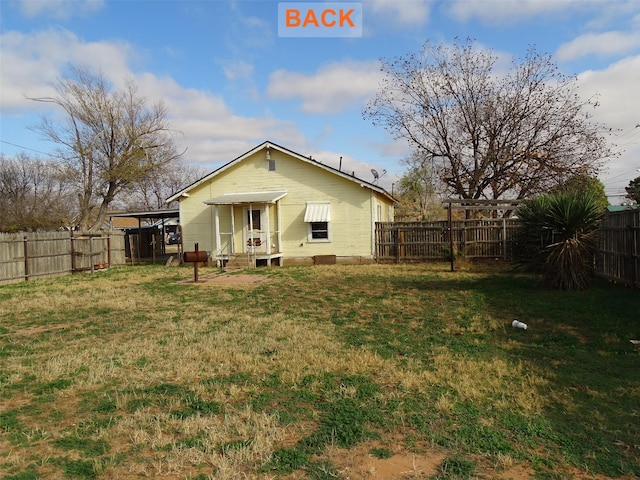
317, 217
318, 231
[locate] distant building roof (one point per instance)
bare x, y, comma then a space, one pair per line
123, 222
168, 213
127, 220
622, 208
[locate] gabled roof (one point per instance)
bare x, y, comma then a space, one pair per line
271, 145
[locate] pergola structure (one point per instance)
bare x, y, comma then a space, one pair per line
471, 204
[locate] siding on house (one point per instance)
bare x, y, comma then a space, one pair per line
354, 207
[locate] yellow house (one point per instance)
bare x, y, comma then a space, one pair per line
272, 206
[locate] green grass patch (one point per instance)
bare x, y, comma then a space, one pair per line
269, 378
87, 446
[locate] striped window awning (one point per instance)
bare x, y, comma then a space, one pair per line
317, 212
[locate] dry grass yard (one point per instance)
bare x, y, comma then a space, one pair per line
332, 372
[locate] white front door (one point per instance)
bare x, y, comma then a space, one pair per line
255, 238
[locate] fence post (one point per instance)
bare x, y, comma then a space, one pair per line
397, 244
26, 258
91, 252
108, 250
73, 251
504, 238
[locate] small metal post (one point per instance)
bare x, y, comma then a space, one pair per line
450, 221
195, 266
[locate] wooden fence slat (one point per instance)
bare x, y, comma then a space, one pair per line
29, 255
420, 241
617, 257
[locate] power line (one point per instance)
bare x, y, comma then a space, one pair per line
30, 149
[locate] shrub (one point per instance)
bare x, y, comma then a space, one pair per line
558, 237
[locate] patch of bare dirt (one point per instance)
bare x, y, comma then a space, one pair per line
39, 329
359, 464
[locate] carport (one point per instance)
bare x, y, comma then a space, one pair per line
153, 216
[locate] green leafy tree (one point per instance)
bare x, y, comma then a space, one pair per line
585, 184
558, 237
633, 191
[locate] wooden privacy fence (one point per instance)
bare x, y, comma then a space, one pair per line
398, 242
30, 255
618, 254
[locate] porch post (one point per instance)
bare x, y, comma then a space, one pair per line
232, 248
252, 248
268, 225
279, 226
216, 216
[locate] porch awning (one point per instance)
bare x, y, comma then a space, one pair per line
246, 197
317, 212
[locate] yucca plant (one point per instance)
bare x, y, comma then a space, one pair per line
558, 237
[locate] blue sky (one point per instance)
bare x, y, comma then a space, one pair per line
230, 82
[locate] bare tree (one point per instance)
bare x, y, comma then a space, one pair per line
490, 135
416, 194
109, 139
34, 195
151, 191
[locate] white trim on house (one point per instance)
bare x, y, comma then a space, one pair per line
246, 197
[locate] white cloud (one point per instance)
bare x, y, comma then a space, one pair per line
602, 44
401, 12
239, 70
619, 109
32, 62
333, 88
211, 131
60, 9
617, 87
499, 11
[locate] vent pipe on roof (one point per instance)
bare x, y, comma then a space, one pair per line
340, 167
